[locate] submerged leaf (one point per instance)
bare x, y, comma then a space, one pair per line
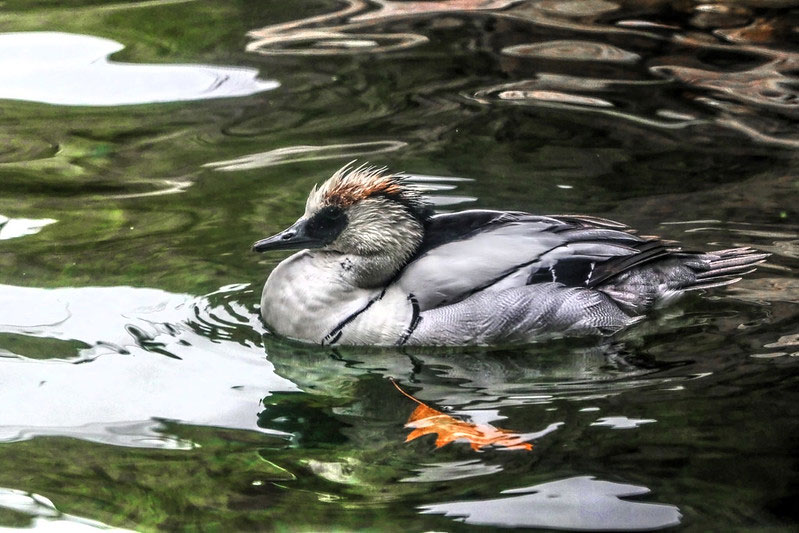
425, 420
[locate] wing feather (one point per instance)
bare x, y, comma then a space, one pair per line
475, 251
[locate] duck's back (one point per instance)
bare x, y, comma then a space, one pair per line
483, 277
470, 252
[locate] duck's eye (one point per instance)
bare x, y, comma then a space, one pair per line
327, 223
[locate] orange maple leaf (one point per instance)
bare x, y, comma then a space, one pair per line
425, 420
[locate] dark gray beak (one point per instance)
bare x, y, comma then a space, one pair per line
293, 238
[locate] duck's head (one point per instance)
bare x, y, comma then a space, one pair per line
364, 211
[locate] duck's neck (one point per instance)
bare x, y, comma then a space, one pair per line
369, 271
377, 245
366, 269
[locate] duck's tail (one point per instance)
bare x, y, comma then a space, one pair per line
725, 267
661, 281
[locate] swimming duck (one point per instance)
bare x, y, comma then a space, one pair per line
377, 267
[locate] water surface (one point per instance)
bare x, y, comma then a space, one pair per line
146, 145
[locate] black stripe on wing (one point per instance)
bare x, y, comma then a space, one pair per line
593, 251
648, 251
584, 271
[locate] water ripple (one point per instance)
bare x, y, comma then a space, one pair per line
707, 16
563, 92
766, 85
572, 51
553, 96
296, 154
342, 31
440, 184
320, 35
22, 148
773, 86
577, 8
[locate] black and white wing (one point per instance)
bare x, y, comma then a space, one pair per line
482, 251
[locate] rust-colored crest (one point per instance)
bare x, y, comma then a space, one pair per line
346, 192
351, 185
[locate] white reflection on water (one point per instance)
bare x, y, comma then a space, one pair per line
577, 503
450, 471
70, 69
11, 228
121, 386
622, 422
44, 515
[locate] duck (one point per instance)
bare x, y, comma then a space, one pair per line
377, 267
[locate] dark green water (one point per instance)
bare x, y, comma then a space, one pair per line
137, 387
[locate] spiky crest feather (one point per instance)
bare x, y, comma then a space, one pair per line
350, 185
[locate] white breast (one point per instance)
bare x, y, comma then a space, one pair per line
309, 297
383, 323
